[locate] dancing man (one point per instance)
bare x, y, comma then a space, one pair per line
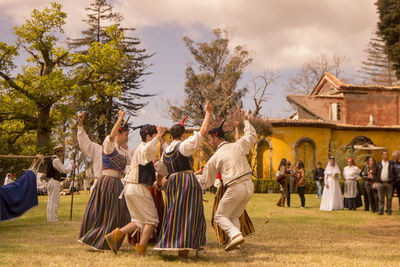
137, 195
230, 160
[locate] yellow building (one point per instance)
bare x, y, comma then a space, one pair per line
312, 141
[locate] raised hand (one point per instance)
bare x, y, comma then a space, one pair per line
209, 107
81, 117
160, 131
121, 114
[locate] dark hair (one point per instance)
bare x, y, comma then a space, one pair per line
124, 127
301, 164
283, 163
319, 163
176, 131
147, 129
384, 151
372, 160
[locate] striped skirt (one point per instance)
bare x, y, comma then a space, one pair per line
246, 226
184, 225
104, 212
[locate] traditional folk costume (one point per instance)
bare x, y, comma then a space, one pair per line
184, 226
140, 177
105, 210
55, 173
18, 197
230, 160
351, 175
7, 179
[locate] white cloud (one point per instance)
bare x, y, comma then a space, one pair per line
279, 34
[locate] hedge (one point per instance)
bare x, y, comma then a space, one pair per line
262, 185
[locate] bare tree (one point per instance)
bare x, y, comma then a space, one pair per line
311, 72
261, 84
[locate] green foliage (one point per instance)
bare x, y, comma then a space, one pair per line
214, 76
389, 30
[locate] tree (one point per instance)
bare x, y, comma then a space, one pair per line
101, 105
377, 67
214, 76
388, 29
260, 95
311, 72
44, 81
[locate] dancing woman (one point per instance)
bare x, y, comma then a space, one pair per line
184, 226
105, 211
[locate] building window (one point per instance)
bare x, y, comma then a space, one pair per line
334, 113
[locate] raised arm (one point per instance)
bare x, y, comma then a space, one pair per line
250, 136
206, 122
115, 129
86, 145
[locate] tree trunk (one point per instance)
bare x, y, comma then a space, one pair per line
43, 129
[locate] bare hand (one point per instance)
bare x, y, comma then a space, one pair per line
241, 115
199, 171
160, 131
156, 185
164, 181
327, 186
73, 166
209, 107
236, 123
81, 117
121, 114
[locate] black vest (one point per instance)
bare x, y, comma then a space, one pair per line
52, 172
147, 174
176, 162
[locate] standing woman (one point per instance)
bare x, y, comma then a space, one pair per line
368, 180
292, 181
184, 226
301, 182
332, 194
351, 174
105, 210
284, 180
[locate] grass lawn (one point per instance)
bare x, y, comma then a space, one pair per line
284, 236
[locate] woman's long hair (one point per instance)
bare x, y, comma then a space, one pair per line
300, 164
283, 163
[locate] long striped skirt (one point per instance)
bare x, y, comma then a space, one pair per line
184, 225
246, 226
104, 212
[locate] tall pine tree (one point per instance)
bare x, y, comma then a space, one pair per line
377, 68
102, 107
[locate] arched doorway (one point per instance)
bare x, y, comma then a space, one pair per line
264, 159
305, 151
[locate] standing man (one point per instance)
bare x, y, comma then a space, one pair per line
55, 172
396, 179
231, 161
319, 175
384, 176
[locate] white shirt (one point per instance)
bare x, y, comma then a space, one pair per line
187, 148
351, 173
57, 164
230, 159
385, 171
92, 150
144, 153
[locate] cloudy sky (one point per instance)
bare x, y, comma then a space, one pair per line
280, 35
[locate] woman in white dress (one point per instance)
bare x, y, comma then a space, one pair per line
332, 194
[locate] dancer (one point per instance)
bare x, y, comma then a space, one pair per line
137, 195
230, 160
332, 194
105, 211
56, 171
184, 226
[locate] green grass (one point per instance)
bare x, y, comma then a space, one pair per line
284, 236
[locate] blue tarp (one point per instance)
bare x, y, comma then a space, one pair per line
18, 197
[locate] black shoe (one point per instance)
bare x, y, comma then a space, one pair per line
380, 213
366, 210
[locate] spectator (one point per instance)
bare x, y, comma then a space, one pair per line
301, 182
383, 175
318, 174
292, 182
396, 165
351, 174
283, 179
368, 179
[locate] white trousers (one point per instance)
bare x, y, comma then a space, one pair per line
141, 205
53, 200
232, 205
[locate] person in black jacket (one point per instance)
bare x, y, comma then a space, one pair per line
396, 165
318, 173
384, 176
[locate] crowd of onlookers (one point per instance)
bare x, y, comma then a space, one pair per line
380, 180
